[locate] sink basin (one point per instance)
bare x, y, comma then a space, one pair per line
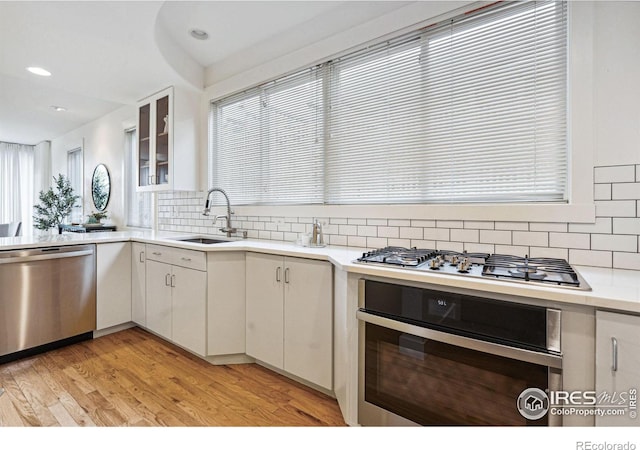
201, 240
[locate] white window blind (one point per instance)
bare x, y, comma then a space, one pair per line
267, 143
471, 110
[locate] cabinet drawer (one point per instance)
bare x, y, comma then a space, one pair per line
191, 259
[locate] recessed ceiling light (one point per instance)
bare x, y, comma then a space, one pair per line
58, 108
39, 71
199, 34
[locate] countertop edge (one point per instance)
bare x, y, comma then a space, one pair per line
613, 289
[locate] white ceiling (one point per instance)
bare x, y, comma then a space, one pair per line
107, 54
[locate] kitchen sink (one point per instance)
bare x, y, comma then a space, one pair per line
201, 240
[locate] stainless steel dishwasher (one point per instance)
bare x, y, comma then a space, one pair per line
47, 295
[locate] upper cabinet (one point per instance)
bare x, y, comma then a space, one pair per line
167, 141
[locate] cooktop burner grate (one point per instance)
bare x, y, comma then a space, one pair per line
544, 270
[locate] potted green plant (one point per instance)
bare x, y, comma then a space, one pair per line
96, 217
55, 204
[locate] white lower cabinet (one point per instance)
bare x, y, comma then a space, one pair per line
617, 362
176, 295
138, 281
113, 284
289, 311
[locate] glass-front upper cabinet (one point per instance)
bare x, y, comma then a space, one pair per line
155, 141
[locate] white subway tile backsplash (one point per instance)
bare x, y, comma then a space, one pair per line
376, 242
356, 241
620, 243
423, 223
348, 230
596, 258
512, 250
570, 240
536, 238
615, 208
626, 225
367, 230
418, 243
495, 237
388, 232
602, 225
602, 191
461, 235
449, 223
625, 191
519, 226
612, 240
484, 225
626, 260
453, 246
399, 223
614, 174
546, 252
411, 233
473, 247
436, 234
405, 243
548, 226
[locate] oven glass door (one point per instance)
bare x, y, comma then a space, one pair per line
433, 383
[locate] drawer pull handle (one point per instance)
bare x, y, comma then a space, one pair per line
141, 256
614, 353
173, 281
286, 275
167, 281
185, 259
157, 253
278, 270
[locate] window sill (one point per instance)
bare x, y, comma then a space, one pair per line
544, 212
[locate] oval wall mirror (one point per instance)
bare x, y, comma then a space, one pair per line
101, 187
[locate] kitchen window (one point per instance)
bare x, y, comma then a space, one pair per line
471, 110
75, 171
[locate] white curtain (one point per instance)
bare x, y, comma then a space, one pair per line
17, 174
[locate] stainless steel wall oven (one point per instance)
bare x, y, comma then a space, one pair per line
431, 357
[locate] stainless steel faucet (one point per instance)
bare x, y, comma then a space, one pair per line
227, 229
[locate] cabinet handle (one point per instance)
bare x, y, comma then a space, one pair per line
156, 253
141, 256
614, 354
278, 274
149, 179
286, 275
185, 259
173, 281
166, 280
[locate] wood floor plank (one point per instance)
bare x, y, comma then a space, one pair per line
133, 378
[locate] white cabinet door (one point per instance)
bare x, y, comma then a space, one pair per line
189, 294
138, 284
113, 288
226, 303
264, 303
617, 361
159, 298
308, 310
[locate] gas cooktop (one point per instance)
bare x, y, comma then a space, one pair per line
543, 271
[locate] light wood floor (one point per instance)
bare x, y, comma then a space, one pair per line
133, 378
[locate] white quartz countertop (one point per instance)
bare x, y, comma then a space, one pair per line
613, 289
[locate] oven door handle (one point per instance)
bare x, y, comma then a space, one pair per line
542, 359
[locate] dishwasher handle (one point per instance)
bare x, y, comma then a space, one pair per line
30, 258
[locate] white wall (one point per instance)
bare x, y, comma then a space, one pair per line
616, 75
103, 142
